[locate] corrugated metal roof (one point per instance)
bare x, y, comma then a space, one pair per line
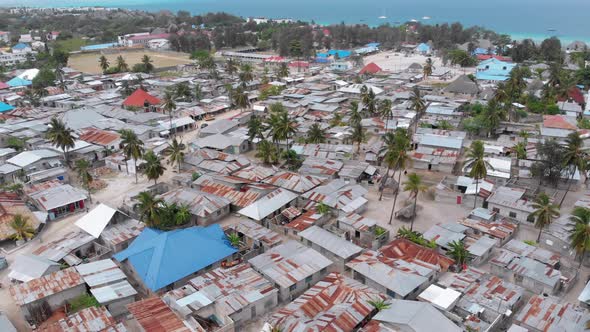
154, 315
294, 181
256, 232
100, 272
58, 249
289, 263
547, 314
89, 319
268, 204
231, 289
409, 251
331, 242
336, 303
200, 203
45, 286
112, 292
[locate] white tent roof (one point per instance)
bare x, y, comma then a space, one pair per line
95, 221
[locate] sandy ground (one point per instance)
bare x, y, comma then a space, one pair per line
395, 62
88, 63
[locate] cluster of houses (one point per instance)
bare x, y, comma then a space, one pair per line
295, 247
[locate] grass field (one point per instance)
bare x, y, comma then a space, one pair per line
88, 63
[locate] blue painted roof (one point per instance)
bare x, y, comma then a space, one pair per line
161, 258
5, 107
20, 46
341, 53
494, 70
17, 81
373, 45
423, 47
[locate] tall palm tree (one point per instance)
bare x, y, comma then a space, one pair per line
459, 253
176, 152
292, 159
255, 128
103, 63
147, 63
231, 67
369, 101
153, 167
282, 126
580, 232
240, 98
545, 212
355, 114
475, 159
61, 136
183, 215
358, 136
182, 92
316, 134
150, 208
132, 147
574, 158
414, 186
417, 104
169, 105
83, 170
493, 116
246, 74
266, 151
386, 111
283, 70
122, 66
22, 229
428, 68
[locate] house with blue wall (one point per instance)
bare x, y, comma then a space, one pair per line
423, 48
164, 260
494, 70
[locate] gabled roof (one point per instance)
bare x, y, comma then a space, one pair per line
161, 258
5, 107
416, 316
268, 204
16, 82
154, 315
96, 220
139, 98
371, 68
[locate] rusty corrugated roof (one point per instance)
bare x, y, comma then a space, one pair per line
155, 316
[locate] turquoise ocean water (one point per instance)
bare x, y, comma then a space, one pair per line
566, 19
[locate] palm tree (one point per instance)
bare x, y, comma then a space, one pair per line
122, 66
132, 147
176, 152
379, 304
355, 115
22, 229
386, 111
246, 74
369, 101
153, 166
458, 252
322, 208
414, 186
240, 98
183, 215
292, 159
428, 68
147, 63
60, 136
283, 126
82, 168
574, 158
104, 63
266, 151
169, 105
234, 239
358, 135
493, 116
580, 232
182, 92
316, 134
545, 212
255, 128
479, 166
283, 70
417, 104
231, 67
150, 208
